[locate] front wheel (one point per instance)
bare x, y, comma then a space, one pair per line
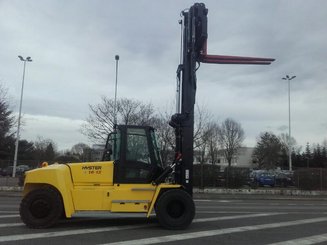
175, 209
41, 208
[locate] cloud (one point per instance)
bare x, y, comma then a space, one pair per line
64, 132
73, 45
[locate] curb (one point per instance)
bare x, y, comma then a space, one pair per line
272, 192
11, 188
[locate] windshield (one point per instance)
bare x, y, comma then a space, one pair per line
137, 146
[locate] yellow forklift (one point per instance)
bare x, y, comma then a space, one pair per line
131, 178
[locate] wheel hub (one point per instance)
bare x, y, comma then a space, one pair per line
175, 209
40, 208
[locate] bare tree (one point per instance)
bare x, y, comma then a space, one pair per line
44, 149
230, 137
79, 149
101, 119
207, 143
202, 134
283, 138
202, 119
202, 148
204, 140
82, 151
213, 142
284, 141
166, 137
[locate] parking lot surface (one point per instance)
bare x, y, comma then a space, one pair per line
218, 221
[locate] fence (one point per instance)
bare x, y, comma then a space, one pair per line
30, 163
208, 175
205, 175
9, 181
311, 179
304, 179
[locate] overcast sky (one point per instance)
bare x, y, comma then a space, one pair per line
73, 45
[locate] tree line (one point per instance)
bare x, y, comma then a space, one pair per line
209, 136
211, 139
272, 151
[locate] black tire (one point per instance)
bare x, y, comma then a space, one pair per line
175, 209
41, 208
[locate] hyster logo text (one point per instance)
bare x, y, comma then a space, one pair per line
91, 168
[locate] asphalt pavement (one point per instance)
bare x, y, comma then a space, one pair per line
271, 216
217, 221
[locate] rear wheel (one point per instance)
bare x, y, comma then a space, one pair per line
41, 208
175, 209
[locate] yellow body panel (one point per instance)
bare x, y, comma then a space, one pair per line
156, 194
93, 173
89, 187
56, 175
113, 198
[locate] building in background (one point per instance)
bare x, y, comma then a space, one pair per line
243, 159
97, 152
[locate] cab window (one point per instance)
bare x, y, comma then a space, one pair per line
137, 146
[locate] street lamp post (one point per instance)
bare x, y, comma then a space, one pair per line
288, 78
28, 59
115, 102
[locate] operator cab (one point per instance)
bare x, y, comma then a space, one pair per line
135, 153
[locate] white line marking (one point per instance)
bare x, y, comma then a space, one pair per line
240, 212
66, 233
9, 216
70, 221
304, 240
12, 207
274, 203
11, 225
228, 212
234, 217
207, 200
227, 206
194, 235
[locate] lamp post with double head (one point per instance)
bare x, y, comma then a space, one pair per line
27, 59
288, 78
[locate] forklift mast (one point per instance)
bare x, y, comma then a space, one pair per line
194, 51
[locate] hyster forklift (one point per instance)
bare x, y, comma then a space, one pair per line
131, 178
